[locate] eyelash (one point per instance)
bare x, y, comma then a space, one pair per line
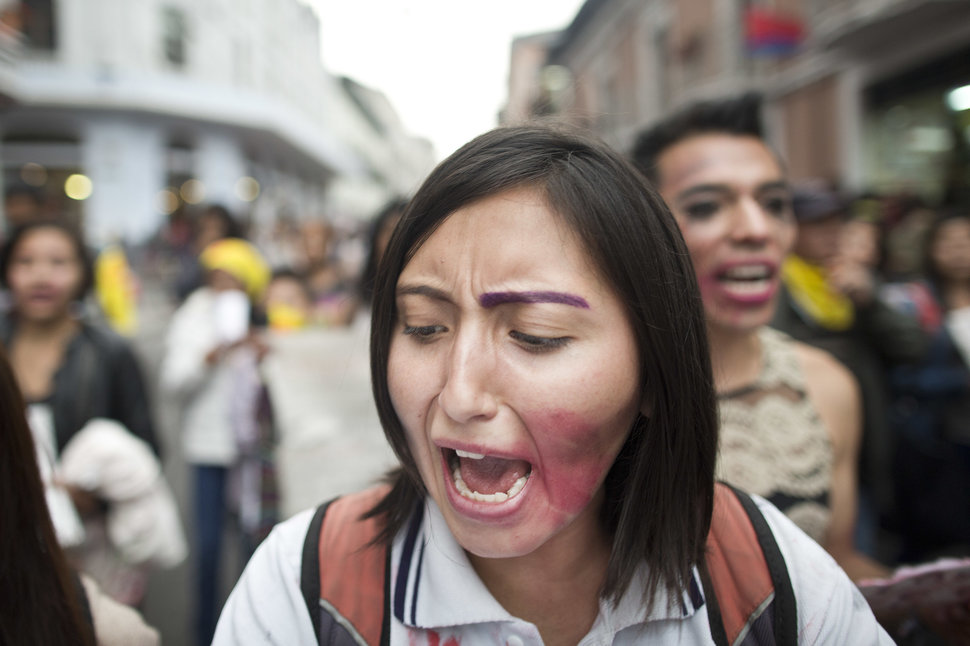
423, 333
539, 344
530, 342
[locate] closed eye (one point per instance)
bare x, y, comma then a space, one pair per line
539, 344
423, 333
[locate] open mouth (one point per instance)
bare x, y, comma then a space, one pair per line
747, 279
485, 478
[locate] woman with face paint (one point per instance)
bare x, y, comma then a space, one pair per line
540, 368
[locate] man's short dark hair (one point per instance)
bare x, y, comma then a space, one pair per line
740, 115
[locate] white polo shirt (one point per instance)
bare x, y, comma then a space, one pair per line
437, 599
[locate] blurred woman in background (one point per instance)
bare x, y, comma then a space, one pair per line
76, 369
931, 400
76, 375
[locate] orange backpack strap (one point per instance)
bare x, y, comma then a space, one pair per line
343, 577
746, 583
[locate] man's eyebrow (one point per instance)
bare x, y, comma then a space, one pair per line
702, 188
491, 299
721, 188
774, 186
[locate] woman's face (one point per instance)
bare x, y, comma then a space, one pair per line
44, 275
950, 251
733, 205
514, 371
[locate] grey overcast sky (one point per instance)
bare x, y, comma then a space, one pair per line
442, 63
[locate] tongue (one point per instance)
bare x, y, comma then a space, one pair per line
492, 475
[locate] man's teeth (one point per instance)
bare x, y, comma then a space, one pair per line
499, 496
467, 454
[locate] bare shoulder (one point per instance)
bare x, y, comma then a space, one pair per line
832, 389
821, 368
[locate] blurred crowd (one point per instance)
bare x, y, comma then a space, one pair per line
69, 314
881, 281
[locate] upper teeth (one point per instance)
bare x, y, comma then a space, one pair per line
468, 454
747, 271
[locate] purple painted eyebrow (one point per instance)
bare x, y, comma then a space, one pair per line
491, 299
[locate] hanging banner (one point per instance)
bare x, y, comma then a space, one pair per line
770, 34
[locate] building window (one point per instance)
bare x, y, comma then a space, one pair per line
174, 35
38, 24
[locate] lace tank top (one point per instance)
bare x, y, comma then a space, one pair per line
773, 442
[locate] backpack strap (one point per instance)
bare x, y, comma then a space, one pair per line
343, 577
310, 567
786, 608
748, 584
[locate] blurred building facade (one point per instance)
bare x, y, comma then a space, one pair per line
865, 93
153, 105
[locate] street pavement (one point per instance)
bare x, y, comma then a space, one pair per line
330, 439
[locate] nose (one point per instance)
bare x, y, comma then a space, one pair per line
752, 225
468, 392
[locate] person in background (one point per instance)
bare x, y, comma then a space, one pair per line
540, 368
210, 351
861, 241
79, 369
334, 303
288, 301
831, 301
379, 235
42, 599
22, 203
115, 285
930, 412
778, 398
214, 223
78, 377
907, 220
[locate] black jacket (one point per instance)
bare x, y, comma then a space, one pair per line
99, 377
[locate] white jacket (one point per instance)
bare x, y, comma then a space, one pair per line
204, 392
142, 522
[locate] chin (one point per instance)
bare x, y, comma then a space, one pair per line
496, 543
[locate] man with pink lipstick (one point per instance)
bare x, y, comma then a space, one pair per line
790, 413
541, 370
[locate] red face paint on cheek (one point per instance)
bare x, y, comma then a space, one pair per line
574, 456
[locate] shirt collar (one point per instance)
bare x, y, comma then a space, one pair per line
434, 585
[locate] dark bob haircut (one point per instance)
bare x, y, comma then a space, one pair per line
659, 491
740, 116
84, 255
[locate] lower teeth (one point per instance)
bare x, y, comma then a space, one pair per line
500, 496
